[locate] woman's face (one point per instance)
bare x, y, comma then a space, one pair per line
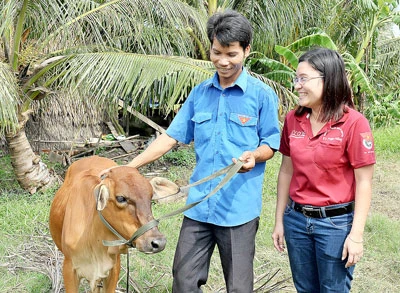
309, 86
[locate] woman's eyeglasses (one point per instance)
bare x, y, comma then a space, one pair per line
302, 80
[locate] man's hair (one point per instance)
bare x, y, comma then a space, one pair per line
336, 90
228, 27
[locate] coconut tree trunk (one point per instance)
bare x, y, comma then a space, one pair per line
32, 174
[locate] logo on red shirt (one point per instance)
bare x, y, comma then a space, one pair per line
297, 134
367, 140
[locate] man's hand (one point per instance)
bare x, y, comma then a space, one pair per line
248, 160
105, 171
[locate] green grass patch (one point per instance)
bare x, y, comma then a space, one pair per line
8, 183
384, 234
387, 140
23, 228
184, 157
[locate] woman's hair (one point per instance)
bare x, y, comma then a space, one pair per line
336, 89
228, 27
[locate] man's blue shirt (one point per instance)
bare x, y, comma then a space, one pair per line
223, 123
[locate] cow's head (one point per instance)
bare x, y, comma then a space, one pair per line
124, 199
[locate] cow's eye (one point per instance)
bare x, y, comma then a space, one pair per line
120, 199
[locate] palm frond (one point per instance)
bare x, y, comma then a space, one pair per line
147, 27
366, 4
283, 76
138, 79
9, 100
275, 22
8, 10
273, 70
287, 99
272, 65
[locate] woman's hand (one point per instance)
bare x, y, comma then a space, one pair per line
353, 249
278, 237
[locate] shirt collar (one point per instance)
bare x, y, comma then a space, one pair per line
241, 81
345, 116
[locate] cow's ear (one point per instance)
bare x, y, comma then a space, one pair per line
102, 195
163, 187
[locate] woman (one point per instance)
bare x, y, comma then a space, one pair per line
325, 179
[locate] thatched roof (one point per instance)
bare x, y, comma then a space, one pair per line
60, 122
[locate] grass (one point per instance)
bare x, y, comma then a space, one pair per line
387, 140
23, 219
27, 257
380, 267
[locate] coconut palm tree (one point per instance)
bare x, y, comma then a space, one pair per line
98, 51
93, 50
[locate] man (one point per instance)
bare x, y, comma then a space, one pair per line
229, 116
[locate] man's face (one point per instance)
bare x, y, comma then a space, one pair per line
228, 61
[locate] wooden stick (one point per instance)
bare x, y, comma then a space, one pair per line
142, 117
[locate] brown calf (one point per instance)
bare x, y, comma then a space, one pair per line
123, 196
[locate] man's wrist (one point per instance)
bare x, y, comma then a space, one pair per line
256, 154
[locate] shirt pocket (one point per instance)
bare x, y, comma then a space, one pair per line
328, 155
202, 126
242, 130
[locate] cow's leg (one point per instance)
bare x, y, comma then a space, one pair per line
97, 286
110, 283
71, 280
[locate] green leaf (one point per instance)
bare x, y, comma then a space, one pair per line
319, 39
288, 54
357, 77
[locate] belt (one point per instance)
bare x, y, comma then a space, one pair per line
322, 212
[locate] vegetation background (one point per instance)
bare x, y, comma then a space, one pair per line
29, 261
66, 66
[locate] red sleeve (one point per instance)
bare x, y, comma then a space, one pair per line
284, 148
360, 148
